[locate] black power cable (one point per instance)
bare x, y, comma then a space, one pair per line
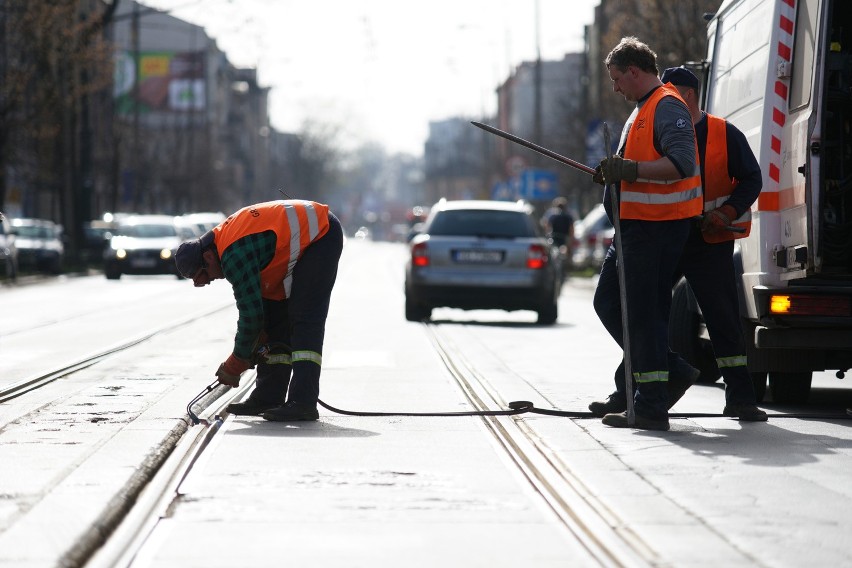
515, 408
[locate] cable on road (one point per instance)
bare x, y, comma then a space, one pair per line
516, 407
527, 407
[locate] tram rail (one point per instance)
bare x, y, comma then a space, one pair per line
120, 537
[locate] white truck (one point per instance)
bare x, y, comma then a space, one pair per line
781, 71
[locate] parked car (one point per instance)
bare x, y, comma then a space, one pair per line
481, 255
39, 244
96, 236
201, 222
592, 236
144, 244
8, 250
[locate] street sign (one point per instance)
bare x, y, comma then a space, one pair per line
538, 185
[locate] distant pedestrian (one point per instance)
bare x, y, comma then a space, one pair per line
558, 222
281, 259
657, 179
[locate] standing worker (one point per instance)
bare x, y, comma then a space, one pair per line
731, 178
657, 179
281, 259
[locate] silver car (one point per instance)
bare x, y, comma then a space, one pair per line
481, 255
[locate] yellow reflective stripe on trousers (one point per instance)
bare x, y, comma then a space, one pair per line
280, 359
311, 356
652, 377
735, 361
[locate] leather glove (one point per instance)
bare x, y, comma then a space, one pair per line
718, 219
619, 169
229, 372
597, 177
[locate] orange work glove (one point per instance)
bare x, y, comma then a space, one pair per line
718, 219
229, 372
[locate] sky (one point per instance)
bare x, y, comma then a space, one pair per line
380, 70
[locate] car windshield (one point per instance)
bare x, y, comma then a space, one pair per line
149, 231
34, 232
481, 223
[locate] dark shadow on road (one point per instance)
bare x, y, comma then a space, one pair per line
506, 324
765, 444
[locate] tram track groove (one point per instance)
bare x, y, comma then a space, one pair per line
600, 532
24, 386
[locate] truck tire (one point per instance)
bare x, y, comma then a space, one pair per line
790, 388
684, 323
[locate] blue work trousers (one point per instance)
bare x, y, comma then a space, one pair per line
651, 251
709, 269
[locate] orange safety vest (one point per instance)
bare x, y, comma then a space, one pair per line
296, 224
718, 183
656, 200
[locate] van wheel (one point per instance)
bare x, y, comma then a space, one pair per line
790, 388
684, 322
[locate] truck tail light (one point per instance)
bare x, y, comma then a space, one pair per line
536, 257
810, 305
420, 255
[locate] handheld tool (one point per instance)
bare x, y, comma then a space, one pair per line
622, 286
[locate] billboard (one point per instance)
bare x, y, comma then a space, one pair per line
168, 82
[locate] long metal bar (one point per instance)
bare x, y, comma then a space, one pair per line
622, 287
535, 147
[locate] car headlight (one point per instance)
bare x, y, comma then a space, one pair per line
165, 254
120, 254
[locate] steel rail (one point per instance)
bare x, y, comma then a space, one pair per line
32, 383
125, 526
563, 493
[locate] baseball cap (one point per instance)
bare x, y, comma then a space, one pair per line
188, 258
680, 76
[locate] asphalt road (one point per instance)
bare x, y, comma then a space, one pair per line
389, 491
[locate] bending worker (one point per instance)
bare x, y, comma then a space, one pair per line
657, 177
281, 259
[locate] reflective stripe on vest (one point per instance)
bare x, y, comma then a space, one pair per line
718, 183
656, 200
311, 356
296, 224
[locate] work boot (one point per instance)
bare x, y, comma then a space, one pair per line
745, 412
292, 412
616, 402
619, 420
681, 376
250, 407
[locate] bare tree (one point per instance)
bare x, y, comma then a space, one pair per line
54, 60
676, 31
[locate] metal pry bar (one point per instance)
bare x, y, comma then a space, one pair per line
535, 147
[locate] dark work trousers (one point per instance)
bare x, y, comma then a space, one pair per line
299, 321
651, 251
709, 269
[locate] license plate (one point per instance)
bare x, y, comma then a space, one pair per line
143, 263
478, 256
